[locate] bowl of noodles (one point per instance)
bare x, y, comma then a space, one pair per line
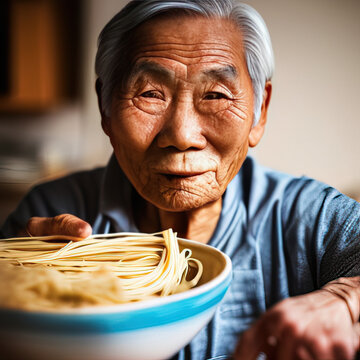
123, 296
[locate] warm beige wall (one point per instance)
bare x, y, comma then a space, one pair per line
314, 122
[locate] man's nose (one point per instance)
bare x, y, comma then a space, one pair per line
182, 127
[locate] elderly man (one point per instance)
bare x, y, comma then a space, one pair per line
184, 87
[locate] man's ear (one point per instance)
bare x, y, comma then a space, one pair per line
105, 120
257, 131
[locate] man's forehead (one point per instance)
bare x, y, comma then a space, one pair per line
185, 26
187, 39
169, 70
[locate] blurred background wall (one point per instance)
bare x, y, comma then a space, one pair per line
313, 126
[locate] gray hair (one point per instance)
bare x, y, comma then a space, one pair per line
112, 55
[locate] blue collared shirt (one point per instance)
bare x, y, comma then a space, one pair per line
285, 236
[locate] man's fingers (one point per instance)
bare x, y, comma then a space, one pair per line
285, 346
64, 224
246, 349
254, 342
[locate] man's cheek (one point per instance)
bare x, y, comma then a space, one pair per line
231, 164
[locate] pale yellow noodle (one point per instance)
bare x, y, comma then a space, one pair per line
46, 272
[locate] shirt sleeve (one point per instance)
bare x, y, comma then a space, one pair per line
77, 194
322, 229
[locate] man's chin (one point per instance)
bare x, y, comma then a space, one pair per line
181, 193
180, 200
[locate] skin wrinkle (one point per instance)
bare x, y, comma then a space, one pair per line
181, 126
189, 190
242, 111
195, 59
184, 48
149, 108
190, 53
203, 51
186, 192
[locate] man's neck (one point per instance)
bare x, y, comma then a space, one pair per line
198, 224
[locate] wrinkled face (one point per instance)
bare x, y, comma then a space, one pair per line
182, 124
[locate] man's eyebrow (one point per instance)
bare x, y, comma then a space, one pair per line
225, 73
152, 68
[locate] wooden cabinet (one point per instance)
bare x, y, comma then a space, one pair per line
41, 44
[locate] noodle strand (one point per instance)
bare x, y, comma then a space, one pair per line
132, 267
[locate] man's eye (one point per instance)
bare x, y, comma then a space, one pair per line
215, 96
152, 94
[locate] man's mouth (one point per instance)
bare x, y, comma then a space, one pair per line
187, 175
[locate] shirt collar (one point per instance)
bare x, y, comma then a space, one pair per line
115, 200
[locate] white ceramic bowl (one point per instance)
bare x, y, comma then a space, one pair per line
148, 330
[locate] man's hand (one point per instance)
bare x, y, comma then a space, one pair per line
64, 224
318, 325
